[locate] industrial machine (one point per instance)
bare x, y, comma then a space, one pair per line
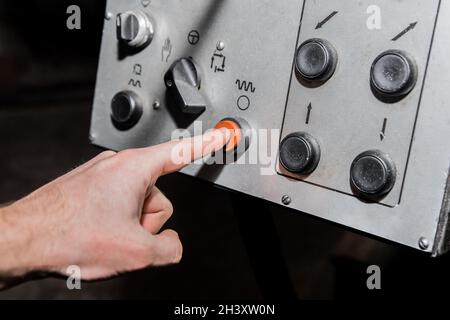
343, 105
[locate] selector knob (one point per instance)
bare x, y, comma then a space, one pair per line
126, 110
183, 82
393, 75
372, 174
316, 60
299, 153
134, 28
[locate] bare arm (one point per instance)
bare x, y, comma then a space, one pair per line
105, 216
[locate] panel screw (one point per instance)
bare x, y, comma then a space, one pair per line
156, 105
286, 200
220, 45
108, 16
424, 244
145, 3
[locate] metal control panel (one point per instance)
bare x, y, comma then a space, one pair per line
346, 102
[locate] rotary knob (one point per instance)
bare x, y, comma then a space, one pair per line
299, 153
134, 28
183, 82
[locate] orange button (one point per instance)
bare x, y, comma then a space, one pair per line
236, 133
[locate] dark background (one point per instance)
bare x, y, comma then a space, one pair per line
47, 80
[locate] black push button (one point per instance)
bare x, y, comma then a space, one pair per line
299, 153
126, 110
393, 75
372, 174
316, 60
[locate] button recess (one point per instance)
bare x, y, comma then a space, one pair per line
316, 60
393, 75
372, 175
299, 153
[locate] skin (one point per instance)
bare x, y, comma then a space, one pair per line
105, 216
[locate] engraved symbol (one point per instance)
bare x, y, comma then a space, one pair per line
136, 73
243, 102
166, 50
408, 29
308, 115
383, 129
245, 86
323, 22
137, 69
218, 62
135, 83
193, 37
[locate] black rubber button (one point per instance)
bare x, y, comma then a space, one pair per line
126, 110
393, 75
372, 174
316, 60
299, 153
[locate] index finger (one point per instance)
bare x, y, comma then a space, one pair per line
175, 155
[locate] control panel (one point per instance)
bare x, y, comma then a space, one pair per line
340, 106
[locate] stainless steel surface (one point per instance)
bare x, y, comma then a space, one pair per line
258, 41
347, 118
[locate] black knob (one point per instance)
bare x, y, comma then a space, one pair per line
316, 61
299, 153
372, 175
393, 75
183, 82
126, 110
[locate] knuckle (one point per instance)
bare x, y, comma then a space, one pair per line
103, 166
107, 154
126, 154
168, 207
178, 254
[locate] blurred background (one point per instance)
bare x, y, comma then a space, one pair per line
47, 81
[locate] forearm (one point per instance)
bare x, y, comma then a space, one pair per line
18, 255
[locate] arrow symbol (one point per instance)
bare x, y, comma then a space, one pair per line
308, 116
322, 23
383, 129
401, 34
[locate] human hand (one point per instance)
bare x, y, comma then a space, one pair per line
105, 216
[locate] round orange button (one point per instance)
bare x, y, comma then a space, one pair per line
236, 133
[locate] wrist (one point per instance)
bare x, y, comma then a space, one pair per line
19, 245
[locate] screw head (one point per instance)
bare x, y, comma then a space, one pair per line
286, 200
156, 105
108, 16
424, 244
